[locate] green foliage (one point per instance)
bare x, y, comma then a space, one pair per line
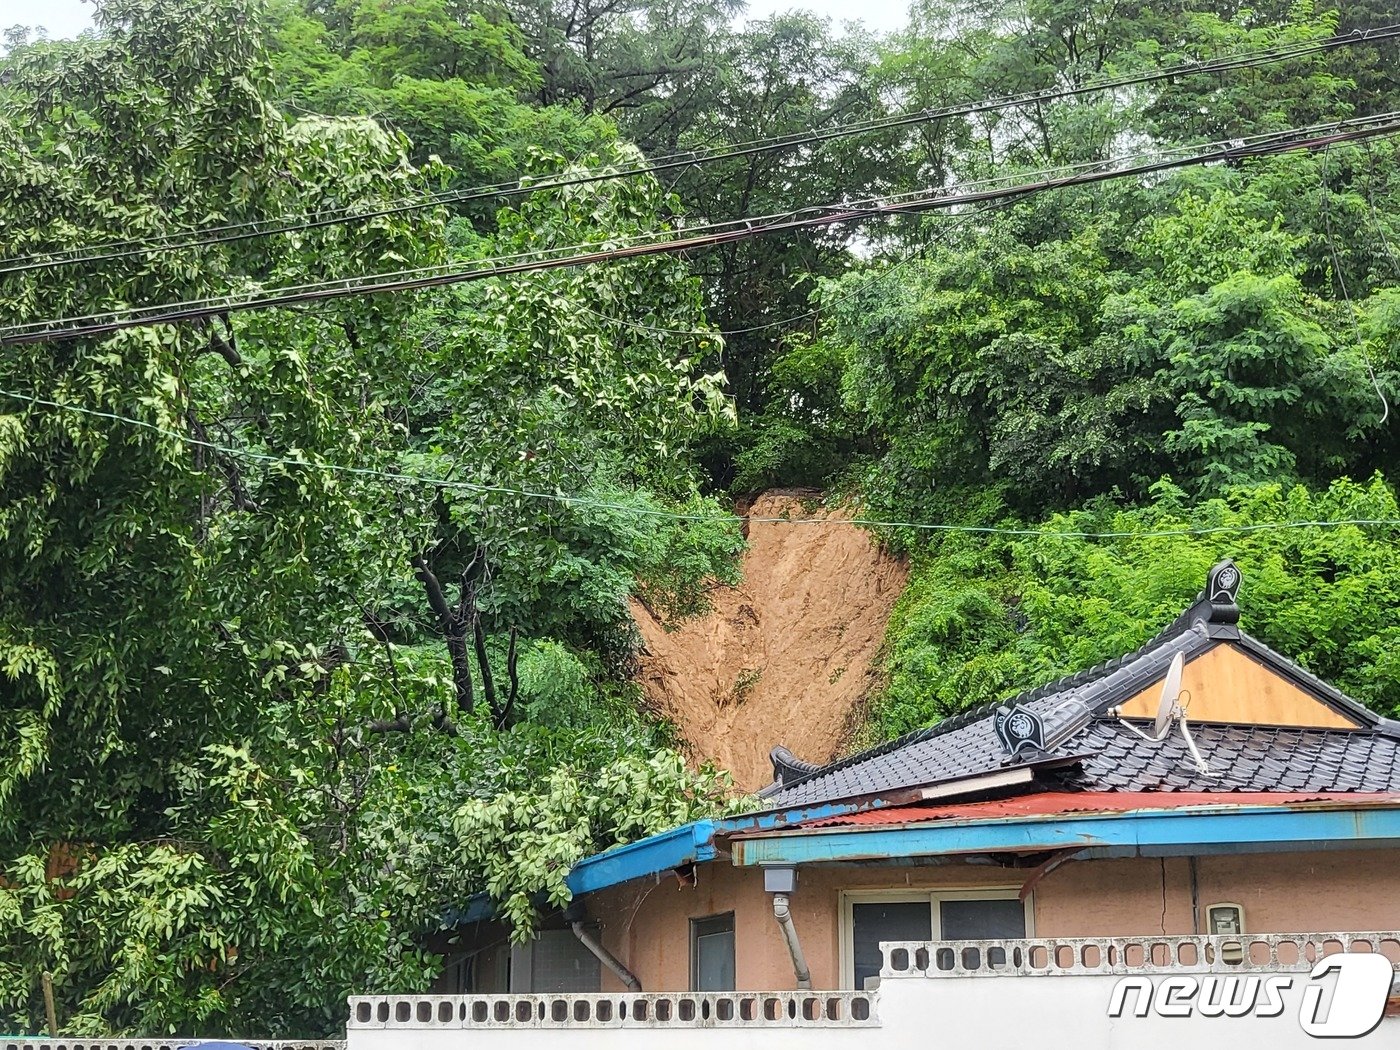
805, 435
526, 841
1176, 330
452, 76
228, 783
545, 384
982, 620
241, 697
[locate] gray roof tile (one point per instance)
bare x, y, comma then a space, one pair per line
1340, 760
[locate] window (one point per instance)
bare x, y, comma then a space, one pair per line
712, 953
870, 917
554, 962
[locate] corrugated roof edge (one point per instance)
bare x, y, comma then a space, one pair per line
1051, 803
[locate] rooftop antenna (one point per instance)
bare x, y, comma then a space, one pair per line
1170, 708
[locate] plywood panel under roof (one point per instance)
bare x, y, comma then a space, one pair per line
1227, 685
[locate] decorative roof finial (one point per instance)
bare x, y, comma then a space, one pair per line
1019, 729
1222, 590
787, 767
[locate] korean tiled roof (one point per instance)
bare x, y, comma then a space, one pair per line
1112, 756
1240, 757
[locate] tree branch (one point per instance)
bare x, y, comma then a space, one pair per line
508, 714
454, 633
226, 346
238, 492
400, 723
483, 662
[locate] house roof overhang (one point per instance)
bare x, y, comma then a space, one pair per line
1096, 824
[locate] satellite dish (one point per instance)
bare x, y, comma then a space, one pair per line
1169, 710
1171, 692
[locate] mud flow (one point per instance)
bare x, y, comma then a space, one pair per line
787, 656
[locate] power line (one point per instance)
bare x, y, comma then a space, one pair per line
746, 223
641, 237
656, 512
869, 282
432, 276
200, 237
743, 224
1262, 146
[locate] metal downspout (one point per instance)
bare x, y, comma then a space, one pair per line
606, 957
783, 913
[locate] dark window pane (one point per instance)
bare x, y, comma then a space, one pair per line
559, 962
980, 920
885, 921
712, 954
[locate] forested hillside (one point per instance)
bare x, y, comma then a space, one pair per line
353, 383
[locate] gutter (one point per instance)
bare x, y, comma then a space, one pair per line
1308, 804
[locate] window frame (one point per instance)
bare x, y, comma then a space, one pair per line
695, 935
910, 895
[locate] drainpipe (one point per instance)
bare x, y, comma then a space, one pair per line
574, 915
606, 957
781, 882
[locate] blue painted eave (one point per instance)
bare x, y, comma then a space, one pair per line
1183, 830
688, 844
691, 843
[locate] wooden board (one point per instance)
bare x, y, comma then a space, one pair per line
1227, 685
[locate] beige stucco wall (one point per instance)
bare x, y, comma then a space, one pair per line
646, 923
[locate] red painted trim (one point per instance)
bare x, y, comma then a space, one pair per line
1052, 802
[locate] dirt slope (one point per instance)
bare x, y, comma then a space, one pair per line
786, 656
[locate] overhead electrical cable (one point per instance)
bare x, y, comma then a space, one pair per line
757, 224
1261, 146
194, 237
871, 279
566, 499
627, 240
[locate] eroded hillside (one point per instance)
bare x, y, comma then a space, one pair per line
786, 656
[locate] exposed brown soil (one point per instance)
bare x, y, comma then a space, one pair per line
784, 658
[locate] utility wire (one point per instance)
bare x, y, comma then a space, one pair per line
748, 224
431, 276
655, 512
641, 237
1265, 146
869, 282
208, 236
